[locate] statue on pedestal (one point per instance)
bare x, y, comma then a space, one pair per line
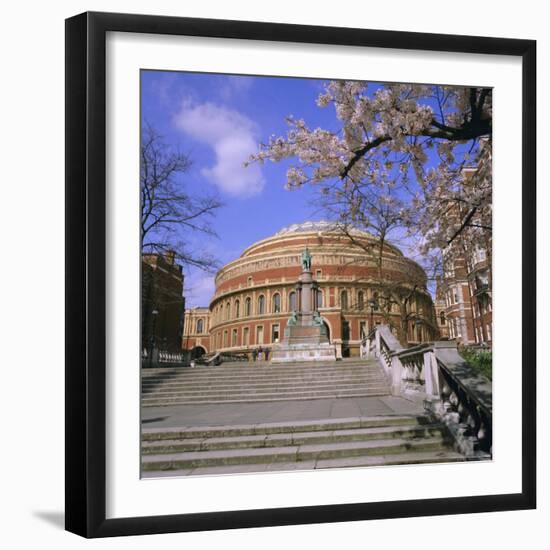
292, 322
318, 322
306, 335
306, 260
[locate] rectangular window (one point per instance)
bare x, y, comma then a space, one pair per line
275, 333
346, 333
246, 336
225, 338
259, 334
318, 274
234, 338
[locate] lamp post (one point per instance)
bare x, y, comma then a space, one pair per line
154, 314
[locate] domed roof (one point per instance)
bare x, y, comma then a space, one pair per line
316, 229
323, 226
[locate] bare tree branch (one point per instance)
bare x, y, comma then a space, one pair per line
168, 210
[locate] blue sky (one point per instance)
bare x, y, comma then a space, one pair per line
219, 121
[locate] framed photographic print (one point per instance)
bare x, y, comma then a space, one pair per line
290, 271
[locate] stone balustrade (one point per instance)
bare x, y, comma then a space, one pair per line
162, 357
436, 375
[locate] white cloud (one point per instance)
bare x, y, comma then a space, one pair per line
232, 136
233, 86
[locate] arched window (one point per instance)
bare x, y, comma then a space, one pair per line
344, 299
319, 298
361, 300
261, 304
292, 301
227, 311
247, 307
276, 303
221, 312
442, 318
237, 309
199, 326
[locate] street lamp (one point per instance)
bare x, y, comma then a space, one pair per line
154, 313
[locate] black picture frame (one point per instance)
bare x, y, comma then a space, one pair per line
86, 274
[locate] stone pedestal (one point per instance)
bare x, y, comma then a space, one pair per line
305, 337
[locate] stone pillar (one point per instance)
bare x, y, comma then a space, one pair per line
431, 375
306, 280
396, 376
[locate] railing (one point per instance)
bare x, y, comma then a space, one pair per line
437, 376
163, 358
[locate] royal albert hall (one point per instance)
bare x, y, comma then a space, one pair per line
256, 293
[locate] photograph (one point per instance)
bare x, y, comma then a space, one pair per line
316, 273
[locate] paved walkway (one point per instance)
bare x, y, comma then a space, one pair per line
180, 416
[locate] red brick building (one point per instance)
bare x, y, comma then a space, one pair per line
162, 302
466, 287
440, 305
196, 327
255, 294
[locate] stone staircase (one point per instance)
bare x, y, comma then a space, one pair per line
312, 444
261, 382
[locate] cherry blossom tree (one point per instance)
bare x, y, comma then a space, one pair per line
403, 145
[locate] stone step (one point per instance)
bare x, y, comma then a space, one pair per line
290, 438
260, 371
262, 383
258, 374
260, 393
419, 457
224, 383
291, 453
297, 426
197, 371
265, 375
261, 364
253, 388
153, 401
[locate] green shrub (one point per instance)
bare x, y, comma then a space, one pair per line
480, 359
